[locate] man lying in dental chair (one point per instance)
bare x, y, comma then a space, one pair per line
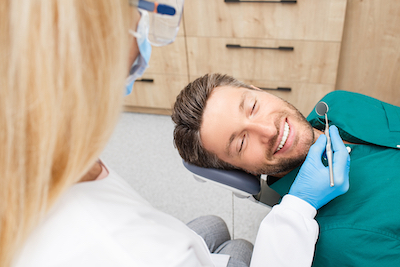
236, 126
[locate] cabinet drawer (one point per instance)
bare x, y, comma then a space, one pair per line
169, 59
311, 62
160, 93
305, 20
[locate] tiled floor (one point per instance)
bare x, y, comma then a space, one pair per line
141, 150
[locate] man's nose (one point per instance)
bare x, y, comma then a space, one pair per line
264, 130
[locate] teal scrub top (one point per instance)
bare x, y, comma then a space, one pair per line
361, 227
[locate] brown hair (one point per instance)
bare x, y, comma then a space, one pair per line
187, 115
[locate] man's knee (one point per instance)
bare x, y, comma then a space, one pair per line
240, 251
212, 229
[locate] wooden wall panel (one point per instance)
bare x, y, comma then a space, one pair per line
370, 55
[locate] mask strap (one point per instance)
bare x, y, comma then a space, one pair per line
137, 35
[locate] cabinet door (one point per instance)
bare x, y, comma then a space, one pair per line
159, 93
304, 20
169, 59
311, 62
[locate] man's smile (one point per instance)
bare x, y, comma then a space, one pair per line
284, 136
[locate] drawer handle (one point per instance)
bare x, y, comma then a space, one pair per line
145, 80
286, 89
283, 48
274, 2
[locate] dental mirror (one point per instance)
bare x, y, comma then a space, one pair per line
321, 108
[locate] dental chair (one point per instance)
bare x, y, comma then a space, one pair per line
242, 184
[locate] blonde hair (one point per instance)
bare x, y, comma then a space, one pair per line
63, 65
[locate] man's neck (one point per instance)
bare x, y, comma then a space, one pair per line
317, 133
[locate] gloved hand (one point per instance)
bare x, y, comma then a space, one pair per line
312, 182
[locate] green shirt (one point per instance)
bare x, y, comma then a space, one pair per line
361, 227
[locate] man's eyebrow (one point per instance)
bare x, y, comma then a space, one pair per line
233, 135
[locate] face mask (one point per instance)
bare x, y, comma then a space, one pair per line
142, 61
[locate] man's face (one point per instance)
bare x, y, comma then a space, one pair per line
246, 128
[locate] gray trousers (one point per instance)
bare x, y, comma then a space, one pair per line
216, 235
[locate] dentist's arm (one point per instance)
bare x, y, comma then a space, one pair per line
288, 234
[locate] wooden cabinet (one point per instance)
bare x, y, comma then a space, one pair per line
313, 62
166, 76
305, 20
269, 45
242, 39
156, 96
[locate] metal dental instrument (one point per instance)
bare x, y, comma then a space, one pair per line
322, 110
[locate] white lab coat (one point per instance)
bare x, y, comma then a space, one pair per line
287, 235
106, 223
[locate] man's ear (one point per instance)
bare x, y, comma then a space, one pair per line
255, 88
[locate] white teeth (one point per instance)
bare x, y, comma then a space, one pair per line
284, 137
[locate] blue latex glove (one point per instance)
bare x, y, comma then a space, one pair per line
312, 182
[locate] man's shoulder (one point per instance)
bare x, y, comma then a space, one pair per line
343, 101
343, 104
341, 95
